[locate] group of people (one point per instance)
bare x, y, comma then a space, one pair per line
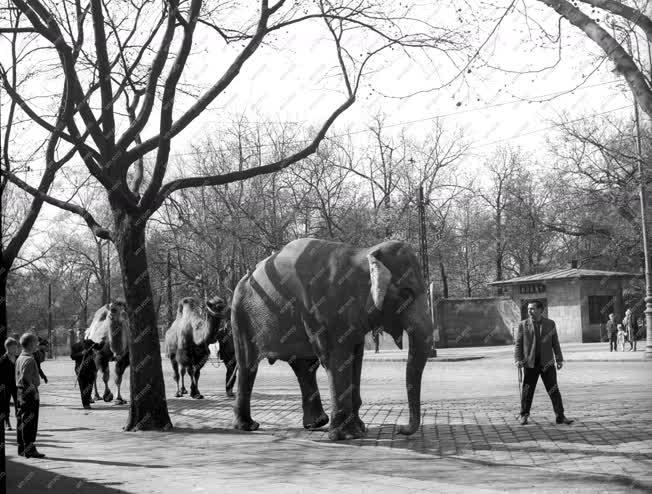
20, 375
628, 330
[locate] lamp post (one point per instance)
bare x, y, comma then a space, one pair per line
642, 177
423, 244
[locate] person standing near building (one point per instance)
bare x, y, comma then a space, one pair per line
631, 328
536, 350
612, 331
27, 383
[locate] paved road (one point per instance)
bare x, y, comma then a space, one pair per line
469, 440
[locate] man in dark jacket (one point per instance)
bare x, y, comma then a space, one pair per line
612, 331
82, 353
537, 348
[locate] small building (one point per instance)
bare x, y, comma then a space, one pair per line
578, 300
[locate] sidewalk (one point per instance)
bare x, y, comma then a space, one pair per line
573, 352
469, 440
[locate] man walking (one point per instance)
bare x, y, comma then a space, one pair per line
537, 348
612, 331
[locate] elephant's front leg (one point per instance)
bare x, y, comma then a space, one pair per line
340, 376
313, 411
356, 399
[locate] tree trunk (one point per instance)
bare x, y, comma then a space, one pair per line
148, 407
3, 305
444, 280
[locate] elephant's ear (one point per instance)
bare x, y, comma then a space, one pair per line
380, 278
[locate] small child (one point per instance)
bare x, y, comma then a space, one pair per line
622, 336
27, 383
8, 380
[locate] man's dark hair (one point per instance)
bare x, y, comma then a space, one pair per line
537, 303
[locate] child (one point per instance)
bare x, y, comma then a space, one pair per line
622, 337
8, 380
27, 383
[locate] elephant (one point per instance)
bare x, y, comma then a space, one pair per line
314, 301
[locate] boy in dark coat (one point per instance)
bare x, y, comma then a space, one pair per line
8, 380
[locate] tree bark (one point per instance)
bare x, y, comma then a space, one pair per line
148, 406
444, 280
3, 304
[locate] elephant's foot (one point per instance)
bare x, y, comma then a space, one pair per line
108, 396
96, 397
311, 423
230, 393
350, 428
245, 425
197, 396
357, 422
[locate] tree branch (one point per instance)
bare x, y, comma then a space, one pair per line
95, 227
226, 178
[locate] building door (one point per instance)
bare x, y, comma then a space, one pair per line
524, 304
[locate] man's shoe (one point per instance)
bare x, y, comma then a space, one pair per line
34, 454
87, 407
523, 420
564, 420
21, 452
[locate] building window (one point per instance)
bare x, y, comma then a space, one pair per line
600, 306
532, 288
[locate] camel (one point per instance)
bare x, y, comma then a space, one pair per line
110, 326
187, 340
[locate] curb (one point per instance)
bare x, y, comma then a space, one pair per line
433, 359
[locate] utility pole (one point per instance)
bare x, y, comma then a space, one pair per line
646, 253
423, 241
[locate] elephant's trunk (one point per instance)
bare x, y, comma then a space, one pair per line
420, 338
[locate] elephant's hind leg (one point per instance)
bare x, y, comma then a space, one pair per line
247, 359
242, 407
314, 416
356, 400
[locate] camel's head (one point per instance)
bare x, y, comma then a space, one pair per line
217, 307
119, 326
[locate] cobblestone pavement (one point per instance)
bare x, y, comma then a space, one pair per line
469, 439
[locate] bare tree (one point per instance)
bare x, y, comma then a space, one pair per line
126, 68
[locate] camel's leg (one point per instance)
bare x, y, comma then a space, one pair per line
230, 377
175, 370
96, 395
194, 386
184, 391
121, 364
107, 396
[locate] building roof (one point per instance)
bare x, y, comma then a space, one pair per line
565, 274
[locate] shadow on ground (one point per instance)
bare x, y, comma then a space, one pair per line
30, 479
